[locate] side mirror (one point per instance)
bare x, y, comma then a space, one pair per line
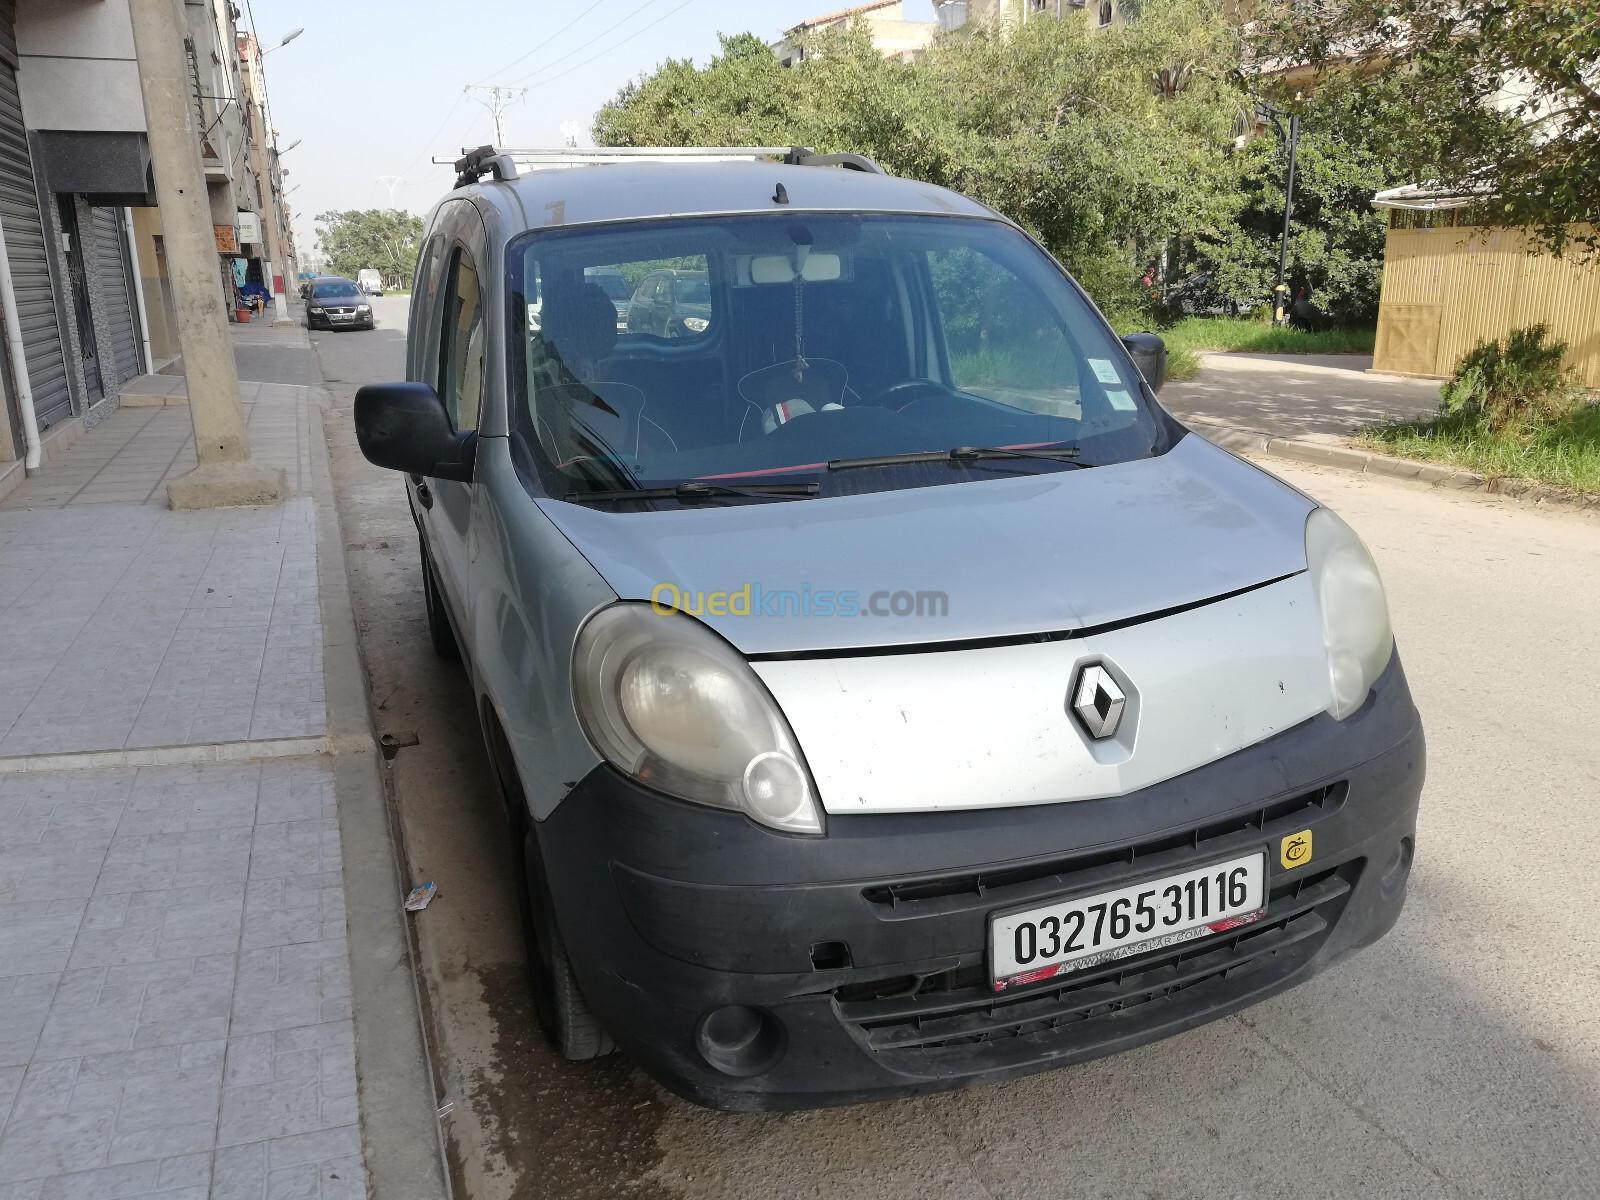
404, 427
1149, 354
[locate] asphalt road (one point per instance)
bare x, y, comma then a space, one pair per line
1320, 396
1458, 1057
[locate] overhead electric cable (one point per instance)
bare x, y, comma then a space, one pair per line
546, 42
610, 48
585, 45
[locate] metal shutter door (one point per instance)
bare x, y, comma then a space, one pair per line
119, 349
30, 270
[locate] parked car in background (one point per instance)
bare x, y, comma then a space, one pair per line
337, 303
369, 281
671, 304
886, 692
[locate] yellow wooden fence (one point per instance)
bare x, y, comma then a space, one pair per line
1445, 289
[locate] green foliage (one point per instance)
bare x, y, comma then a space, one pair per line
1513, 409
1054, 124
1498, 97
385, 239
1563, 452
1336, 238
1190, 337
1512, 384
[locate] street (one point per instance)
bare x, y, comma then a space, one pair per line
1460, 1056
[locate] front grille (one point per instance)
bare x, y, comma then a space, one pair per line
948, 892
956, 1008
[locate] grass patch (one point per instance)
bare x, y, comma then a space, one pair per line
1563, 452
1193, 336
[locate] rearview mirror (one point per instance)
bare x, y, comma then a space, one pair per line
404, 427
1149, 354
779, 268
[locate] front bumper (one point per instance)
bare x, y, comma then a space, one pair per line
866, 949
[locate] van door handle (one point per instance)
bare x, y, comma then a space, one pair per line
424, 495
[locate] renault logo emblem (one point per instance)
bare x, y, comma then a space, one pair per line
1098, 702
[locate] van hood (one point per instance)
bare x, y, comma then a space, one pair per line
993, 558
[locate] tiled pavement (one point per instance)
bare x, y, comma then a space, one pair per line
175, 1014
132, 626
131, 456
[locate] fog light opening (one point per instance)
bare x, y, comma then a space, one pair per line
830, 956
1398, 869
741, 1041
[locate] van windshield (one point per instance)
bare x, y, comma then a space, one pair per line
761, 349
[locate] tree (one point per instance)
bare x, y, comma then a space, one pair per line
1101, 143
1336, 240
385, 239
1504, 95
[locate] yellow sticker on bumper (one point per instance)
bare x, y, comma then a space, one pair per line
1295, 850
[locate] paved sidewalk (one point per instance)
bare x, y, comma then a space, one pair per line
1325, 397
175, 980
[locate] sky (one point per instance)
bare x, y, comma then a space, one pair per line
374, 87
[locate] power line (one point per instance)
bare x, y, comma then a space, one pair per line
433, 137
610, 48
546, 42
592, 41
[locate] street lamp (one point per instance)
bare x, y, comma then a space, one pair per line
287, 38
290, 147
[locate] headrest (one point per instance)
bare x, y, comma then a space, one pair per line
579, 323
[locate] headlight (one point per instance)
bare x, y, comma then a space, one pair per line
670, 703
316, 310
363, 308
695, 324
1355, 615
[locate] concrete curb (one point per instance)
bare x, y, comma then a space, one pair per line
401, 1138
1253, 441
187, 755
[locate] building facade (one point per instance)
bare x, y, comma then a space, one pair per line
952, 14
275, 252
82, 233
892, 34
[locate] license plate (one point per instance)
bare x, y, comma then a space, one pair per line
1086, 931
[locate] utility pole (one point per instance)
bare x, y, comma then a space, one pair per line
1280, 293
392, 182
500, 99
225, 475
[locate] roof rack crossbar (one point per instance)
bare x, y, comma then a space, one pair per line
473, 165
503, 162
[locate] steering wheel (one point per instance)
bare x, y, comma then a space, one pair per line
901, 395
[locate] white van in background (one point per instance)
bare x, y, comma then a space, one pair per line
370, 281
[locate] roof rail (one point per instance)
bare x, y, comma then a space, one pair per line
503, 162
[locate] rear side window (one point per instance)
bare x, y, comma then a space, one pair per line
461, 354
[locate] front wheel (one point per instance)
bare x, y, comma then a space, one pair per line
439, 631
558, 1001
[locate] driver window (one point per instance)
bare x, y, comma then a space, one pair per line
1003, 342
461, 355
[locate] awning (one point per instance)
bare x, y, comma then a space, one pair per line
109, 168
1429, 196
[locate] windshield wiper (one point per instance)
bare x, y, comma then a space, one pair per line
962, 454
694, 490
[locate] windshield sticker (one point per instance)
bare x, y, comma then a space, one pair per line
1104, 370
1121, 401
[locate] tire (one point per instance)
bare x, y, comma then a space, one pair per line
439, 631
558, 1001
